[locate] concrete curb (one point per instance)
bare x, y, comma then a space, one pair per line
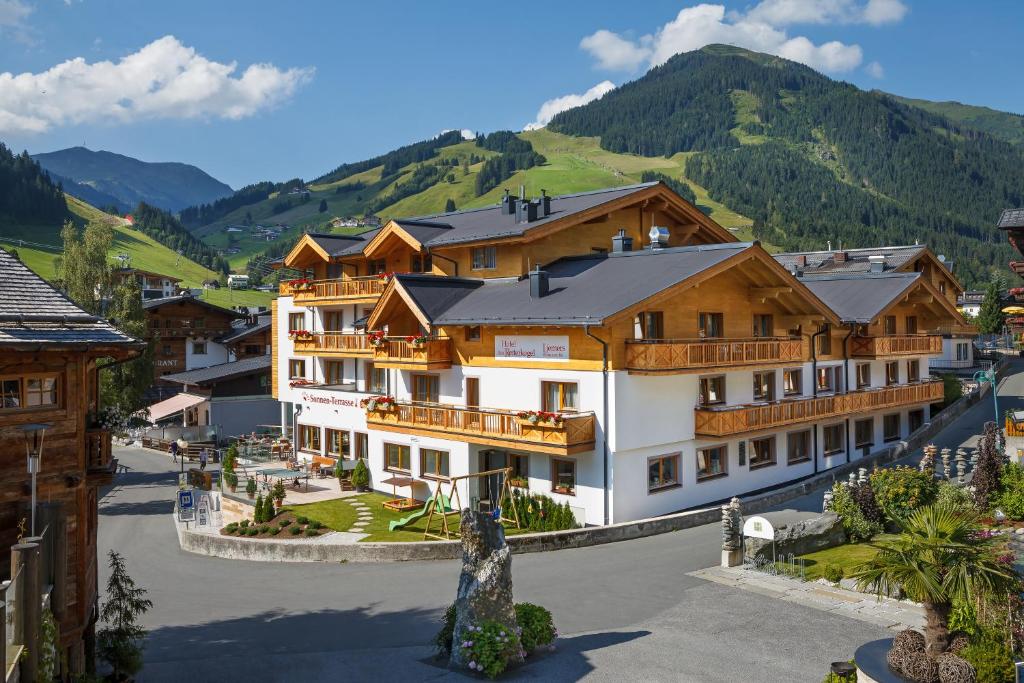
234, 548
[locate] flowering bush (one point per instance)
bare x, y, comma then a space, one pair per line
537, 629
417, 339
901, 490
489, 647
300, 382
378, 403
376, 338
540, 416
300, 283
299, 334
857, 526
385, 276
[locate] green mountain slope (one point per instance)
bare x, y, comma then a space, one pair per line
998, 124
169, 186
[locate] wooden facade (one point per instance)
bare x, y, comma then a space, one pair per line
179, 322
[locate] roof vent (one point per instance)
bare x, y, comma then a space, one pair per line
877, 262
658, 236
538, 283
545, 204
621, 242
508, 204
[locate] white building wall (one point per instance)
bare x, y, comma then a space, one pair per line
215, 354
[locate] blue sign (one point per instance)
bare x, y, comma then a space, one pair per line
185, 500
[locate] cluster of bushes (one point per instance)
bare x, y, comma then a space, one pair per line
264, 511
856, 505
227, 467
491, 646
537, 512
1010, 498
294, 527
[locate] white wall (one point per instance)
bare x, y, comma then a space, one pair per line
215, 354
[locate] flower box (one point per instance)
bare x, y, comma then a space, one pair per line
519, 482
301, 335
539, 418
383, 404
376, 339
300, 285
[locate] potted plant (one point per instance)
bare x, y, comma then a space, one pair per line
250, 488
417, 340
300, 335
278, 493
301, 284
381, 403
376, 338
231, 479
536, 418
519, 482
361, 476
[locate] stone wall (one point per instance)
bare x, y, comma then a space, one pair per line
819, 533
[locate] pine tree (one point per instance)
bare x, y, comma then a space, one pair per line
449, 205
257, 513
987, 471
323, 206
991, 317
119, 643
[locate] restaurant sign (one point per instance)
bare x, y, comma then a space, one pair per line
516, 347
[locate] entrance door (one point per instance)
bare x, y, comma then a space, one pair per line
490, 486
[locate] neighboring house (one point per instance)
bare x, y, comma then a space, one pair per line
230, 399
651, 364
236, 281
49, 350
370, 221
249, 337
970, 302
153, 285
186, 330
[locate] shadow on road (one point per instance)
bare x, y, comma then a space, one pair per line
148, 507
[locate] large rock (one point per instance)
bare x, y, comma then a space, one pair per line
485, 585
818, 533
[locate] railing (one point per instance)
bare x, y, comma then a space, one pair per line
951, 363
575, 432
336, 288
728, 420
896, 345
953, 328
97, 450
35, 569
335, 343
668, 355
434, 353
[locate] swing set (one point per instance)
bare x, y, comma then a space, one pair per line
454, 505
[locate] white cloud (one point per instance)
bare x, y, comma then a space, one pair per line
548, 110
164, 79
762, 28
875, 70
467, 134
13, 13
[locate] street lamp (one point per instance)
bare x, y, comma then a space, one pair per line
34, 434
989, 377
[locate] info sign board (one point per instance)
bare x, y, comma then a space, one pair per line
186, 506
530, 348
203, 511
758, 527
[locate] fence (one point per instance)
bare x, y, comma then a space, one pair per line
789, 566
34, 569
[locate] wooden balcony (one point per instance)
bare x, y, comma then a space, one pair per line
575, 434
400, 353
896, 345
731, 420
672, 356
334, 344
99, 462
336, 290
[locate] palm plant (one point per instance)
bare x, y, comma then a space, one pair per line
939, 556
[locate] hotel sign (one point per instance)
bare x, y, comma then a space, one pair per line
515, 347
332, 399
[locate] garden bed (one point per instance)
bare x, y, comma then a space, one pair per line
286, 525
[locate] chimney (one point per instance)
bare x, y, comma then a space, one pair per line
538, 283
658, 236
801, 260
545, 204
526, 211
508, 205
621, 243
839, 257
877, 262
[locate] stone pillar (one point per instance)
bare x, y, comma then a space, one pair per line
974, 458
852, 480
961, 465
862, 475
945, 463
732, 541
826, 502
25, 556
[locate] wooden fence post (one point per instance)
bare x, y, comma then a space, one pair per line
29, 606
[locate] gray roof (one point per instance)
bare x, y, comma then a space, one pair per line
582, 290
343, 245
856, 259
1011, 218
217, 373
163, 301
859, 297
241, 329
33, 312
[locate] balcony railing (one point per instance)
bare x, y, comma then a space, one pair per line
574, 434
398, 352
682, 355
728, 420
335, 289
335, 344
98, 459
896, 345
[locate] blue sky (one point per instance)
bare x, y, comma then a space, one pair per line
343, 81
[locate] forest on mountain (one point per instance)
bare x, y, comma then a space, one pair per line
167, 230
394, 160
194, 216
27, 194
516, 154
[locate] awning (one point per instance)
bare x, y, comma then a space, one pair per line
175, 404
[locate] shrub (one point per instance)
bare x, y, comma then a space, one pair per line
952, 389
268, 509
231, 479
316, 524
988, 469
489, 647
833, 573
864, 496
857, 527
253, 531
991, 658
278, 492
250, 488
285, 522
537, 512
274, 531
312, 532
443, 639
900, 490
295, 531
302, 520
257, 513
264, 529
537, 629
1011, 491
361, 475
954, 497
244, 523
832, 678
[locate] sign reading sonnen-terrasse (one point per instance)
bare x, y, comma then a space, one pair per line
508, 347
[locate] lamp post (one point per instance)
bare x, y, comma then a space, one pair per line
34, 434
989, 377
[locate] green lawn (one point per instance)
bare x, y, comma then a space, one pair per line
846, 556
339, 515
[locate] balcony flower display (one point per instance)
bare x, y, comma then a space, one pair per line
540, 417
300, 335
378, 403
301, 382
302, 284
417, 339
376, 338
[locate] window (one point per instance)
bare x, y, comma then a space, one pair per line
296, 321
762, 452
396, 457
338, 444
827, 379
252, 350
712, 463
559, 397
198, 348
362, 443
961, 352
334, 371
863, 375
913, 371
662, 472
199, 323
835, 438
333, 321
864, 433
377, 266
911, 324
892, 373
376, 379
799, 445
652, 325
296, 369
472, 392
764, 325
891, 427
915, 419
167, 350
426, 388
485, 258
420, 264
473, 333
710, 324
433, 463
309, 438
889, 324
793, 382
10, 391
825, 340
40, 391
563, 476
520, 465
764, 386
712, 390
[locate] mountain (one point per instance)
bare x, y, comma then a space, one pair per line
167, 185
88, 194
998, 124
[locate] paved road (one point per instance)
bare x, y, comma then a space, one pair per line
624, 610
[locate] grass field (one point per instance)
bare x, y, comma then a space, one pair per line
846, 556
